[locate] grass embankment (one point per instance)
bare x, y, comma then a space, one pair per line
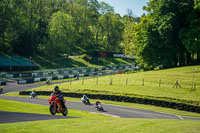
79, 61
151, 84
91, 122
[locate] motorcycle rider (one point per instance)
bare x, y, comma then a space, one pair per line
59, 94
84, 97
97, 103
33, 94
99, 106
48, 82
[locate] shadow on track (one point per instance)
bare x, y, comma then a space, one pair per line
13, 117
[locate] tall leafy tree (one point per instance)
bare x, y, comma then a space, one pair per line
32, 25
105, 8
111, 31
189, 34
61, 29
160, 42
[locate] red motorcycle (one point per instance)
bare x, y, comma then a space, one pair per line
56, 106
99, 107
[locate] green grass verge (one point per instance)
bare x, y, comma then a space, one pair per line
134, 105
92, 123
132, 85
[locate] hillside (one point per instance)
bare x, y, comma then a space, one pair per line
79, 61
160, 85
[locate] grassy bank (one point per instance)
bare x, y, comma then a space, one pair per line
151, 84
91, 122
79, 61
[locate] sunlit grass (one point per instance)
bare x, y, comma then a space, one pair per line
91, 122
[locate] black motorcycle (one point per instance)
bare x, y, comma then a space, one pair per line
86, 101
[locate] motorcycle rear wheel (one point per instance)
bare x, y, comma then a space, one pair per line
52, 110
65, 111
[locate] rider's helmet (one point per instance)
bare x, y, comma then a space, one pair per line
56, 88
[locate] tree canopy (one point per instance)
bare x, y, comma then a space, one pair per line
167, 35
57, 27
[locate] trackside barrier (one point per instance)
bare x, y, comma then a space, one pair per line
2, 82
160, 103
65, 71
22, 82
37, 77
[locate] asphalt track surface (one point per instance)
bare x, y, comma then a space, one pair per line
110, 110
13, 117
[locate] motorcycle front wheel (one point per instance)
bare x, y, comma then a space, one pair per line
52, 110
65, 111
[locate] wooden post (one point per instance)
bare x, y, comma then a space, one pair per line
160, 83
97, 81
83, 81
126, 81
70, 82
143, 82
111, 81
177, 84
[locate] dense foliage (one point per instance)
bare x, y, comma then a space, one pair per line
168, 35
56, 27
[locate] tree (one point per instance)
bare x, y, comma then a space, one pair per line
129, 34
111, 31
32, 25
60, 31
189, 34
157, 39
105, 8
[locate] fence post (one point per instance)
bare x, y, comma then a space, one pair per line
160, 83
193, 86
83, 81
143, 83
111, 81
177, 84
70, 82
97, 81
126, 81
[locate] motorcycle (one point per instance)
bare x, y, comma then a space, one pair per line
99, 107
56, 106
33, 95
86, 101
48, 82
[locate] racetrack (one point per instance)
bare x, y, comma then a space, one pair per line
12, 86
110, 110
